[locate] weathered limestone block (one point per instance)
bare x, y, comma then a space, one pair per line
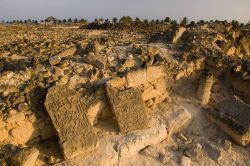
76, 81
244, 46
177, 34
204, 89
117, 82
177, 120
97, 60
142, 76
128, 108
23, 133
15, 117
129, 145
68, 52
160, 85
25, 157
149, 93
242, 88
174, 116
233, 117
153, 50
68, 115
106, 155
136, 78
154, 73
94, 47
214, 152
181, 73
54, 60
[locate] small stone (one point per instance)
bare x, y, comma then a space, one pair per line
237, 68
58, 71
180, 74
214, 151
227, 146
15, 116
63, 80
185, 161
195, 153
25, 157
68, 52
245, 76
149, 151
54, 60
97, 60
165, 158
24, 133
23, 107
51, 160
130, 144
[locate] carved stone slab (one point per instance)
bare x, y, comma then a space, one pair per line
234, 118
69, 118
128, 109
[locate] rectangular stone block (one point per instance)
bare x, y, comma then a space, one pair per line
136, 78
154, 73
128, 108
233, 117
97, 60
150, 93
69, 118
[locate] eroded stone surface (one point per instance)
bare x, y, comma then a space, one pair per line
69, 118
234, 118
128, 108
132, 143
25, 157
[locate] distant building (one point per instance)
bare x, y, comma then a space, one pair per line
51, 20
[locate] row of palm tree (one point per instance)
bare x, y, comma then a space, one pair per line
129, 20
29, 21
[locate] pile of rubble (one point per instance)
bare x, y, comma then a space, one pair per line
110, 98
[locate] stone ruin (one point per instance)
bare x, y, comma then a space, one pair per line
73, 116
113, 100
236, 124
128, 109
69, 118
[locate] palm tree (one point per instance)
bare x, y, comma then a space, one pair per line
115, 20
174, 22
145, 21
235, 24
167, 20
137, 19
83, 21
75, 20
200, 22
248, 24
192, 24
69, 20
126, 20
184, 21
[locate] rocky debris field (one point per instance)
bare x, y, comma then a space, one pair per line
108, 97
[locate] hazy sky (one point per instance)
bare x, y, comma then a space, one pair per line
90, 9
